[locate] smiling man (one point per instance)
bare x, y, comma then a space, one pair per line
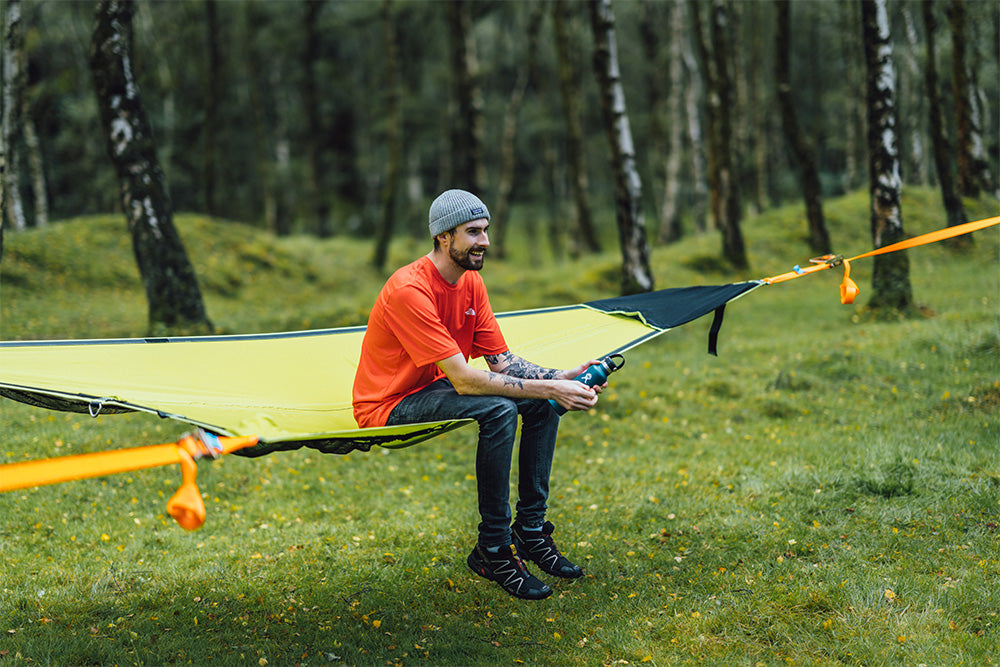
430, 318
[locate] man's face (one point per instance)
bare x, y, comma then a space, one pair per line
469, 243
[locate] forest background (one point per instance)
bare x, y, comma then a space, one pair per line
332, 118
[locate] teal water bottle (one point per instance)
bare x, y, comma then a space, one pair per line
594, 375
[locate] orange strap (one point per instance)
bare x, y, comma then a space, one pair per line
848, 289
185, 506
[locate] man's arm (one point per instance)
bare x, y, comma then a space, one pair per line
539, 383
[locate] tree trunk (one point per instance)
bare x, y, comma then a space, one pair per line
733, 248
467, 130
315, 195
712, 110
508, 143
636, 274
36, 165
724, 200
13, 93
671, 228
953, 206
693, 90
913, 97
210, 130
269, 126
393, 140
750, 102
21, 125
4, 120
575, 162
557, 186
653, 19
252, 70
171, 285
166, 81
973, 168
891, 279
819, 239
852, 53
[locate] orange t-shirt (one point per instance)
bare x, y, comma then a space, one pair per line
419, 319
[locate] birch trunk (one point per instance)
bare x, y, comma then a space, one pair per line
13, 92
636, 274
171, 285
891, 278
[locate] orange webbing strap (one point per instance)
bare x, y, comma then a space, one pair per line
848, 288
932, 237
184, 506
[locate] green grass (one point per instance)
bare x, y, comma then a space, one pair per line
825, 492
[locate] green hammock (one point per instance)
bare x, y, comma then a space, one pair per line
293, 389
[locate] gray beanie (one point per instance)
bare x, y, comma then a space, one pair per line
453, 208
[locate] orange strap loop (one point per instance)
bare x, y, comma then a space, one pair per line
185, 506
848, 288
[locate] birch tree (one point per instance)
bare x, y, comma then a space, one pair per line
171, 285
636, 274
13, 92
891, 277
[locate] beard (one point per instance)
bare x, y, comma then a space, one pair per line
466, 260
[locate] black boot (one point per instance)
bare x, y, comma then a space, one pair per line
509, 571
539, 547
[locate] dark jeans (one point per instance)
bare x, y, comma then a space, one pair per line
497, 418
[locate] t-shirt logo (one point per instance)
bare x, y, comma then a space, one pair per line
470, 312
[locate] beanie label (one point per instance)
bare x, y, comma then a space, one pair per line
477, 211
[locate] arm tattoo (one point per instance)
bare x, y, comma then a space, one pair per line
514, 366
507, 380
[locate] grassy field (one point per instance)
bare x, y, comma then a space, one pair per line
825, 492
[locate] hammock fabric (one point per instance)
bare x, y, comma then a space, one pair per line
293, 389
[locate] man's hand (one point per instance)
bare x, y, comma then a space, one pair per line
575, 395
578, 400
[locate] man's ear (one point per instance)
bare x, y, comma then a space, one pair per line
444, 238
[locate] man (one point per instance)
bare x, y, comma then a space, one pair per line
429, 319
